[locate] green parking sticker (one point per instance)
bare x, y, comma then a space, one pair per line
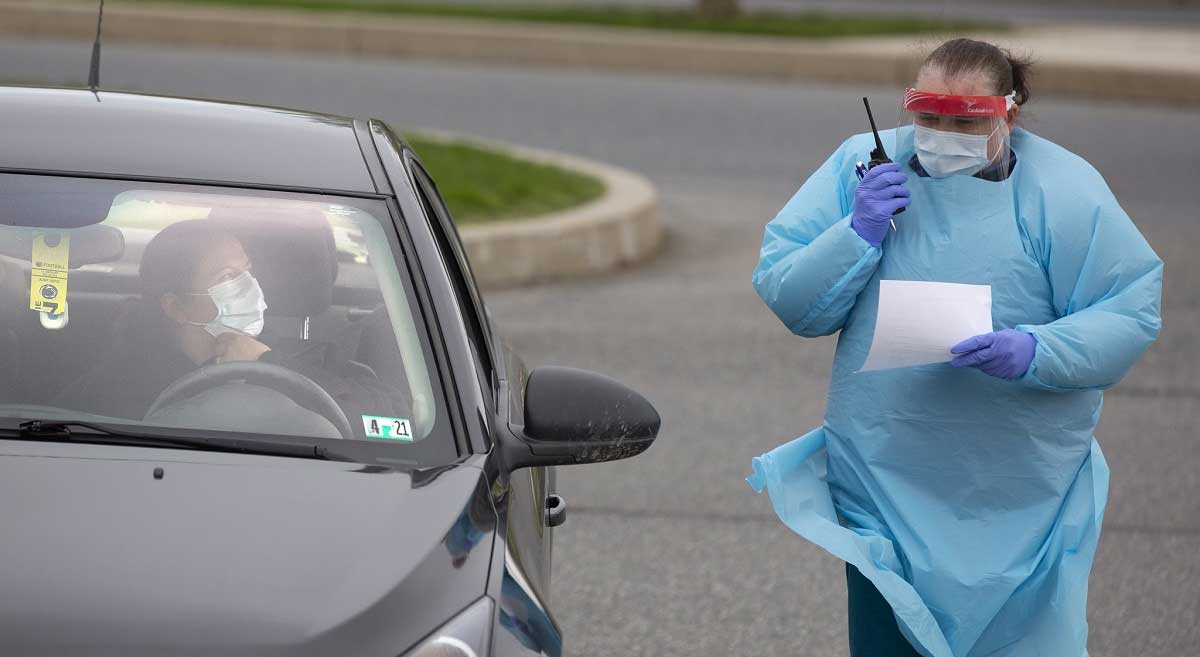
387, 428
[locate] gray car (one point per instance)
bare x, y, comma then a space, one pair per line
251, 399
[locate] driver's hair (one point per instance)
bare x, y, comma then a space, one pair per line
170, 259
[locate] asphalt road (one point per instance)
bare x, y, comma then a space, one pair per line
671, 553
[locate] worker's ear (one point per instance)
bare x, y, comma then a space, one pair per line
172, 307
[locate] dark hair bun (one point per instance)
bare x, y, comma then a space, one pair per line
1022, 68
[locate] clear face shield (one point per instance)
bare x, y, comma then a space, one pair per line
942, 135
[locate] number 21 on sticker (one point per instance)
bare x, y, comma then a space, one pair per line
388, 428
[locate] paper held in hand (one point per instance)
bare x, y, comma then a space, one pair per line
918, 322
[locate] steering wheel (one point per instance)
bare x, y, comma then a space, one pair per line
295, 386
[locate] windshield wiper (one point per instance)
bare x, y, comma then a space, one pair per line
52, 430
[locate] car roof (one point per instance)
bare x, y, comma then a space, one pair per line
124, 134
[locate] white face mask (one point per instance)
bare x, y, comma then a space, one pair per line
240, 305
944, 153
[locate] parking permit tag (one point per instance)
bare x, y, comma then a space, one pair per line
48, 277
388, 428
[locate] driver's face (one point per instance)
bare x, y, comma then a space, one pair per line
223, 262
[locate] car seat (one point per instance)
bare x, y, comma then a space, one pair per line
294, 258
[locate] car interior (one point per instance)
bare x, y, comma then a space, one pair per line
323, 301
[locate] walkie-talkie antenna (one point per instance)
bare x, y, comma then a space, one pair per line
878, 156
878, 153
94, 73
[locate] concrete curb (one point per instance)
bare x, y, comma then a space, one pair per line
619, 229
1071, 59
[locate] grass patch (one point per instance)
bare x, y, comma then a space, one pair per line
802, 25
483, 184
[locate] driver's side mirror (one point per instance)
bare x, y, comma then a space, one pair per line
575, 416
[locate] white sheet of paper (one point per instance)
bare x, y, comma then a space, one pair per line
918, 322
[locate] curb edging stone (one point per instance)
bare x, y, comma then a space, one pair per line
619, 229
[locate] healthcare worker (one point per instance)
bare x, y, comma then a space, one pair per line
966, 497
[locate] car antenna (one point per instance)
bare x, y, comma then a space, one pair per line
94, 73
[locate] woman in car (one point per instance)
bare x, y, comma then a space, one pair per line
201, 305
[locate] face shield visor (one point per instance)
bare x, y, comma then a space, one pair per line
942, 135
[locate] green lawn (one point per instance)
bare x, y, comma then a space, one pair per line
806, 25
482, 184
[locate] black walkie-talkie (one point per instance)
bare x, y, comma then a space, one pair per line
878, 156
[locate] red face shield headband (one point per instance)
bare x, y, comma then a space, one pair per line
931, 103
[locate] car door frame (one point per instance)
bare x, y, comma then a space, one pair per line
523, 496
530, 487
473, 413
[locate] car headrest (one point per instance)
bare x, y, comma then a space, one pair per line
89, 245
293, 253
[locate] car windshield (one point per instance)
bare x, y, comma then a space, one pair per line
206, 308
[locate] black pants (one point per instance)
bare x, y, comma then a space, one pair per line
873, 629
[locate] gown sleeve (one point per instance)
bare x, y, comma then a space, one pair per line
812, 264
1107, 285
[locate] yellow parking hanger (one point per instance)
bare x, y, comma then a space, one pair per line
48, 277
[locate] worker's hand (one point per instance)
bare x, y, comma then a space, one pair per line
1003, 354
238, 347
880, 193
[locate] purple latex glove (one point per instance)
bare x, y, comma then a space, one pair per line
1003, 354
880, 193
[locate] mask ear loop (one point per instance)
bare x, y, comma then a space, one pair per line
1003, 142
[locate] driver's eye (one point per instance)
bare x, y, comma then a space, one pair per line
230, 274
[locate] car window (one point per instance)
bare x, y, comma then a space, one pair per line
118, 296
467, 292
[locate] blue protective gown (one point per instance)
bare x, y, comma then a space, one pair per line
973, 504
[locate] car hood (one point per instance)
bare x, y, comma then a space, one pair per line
230, 554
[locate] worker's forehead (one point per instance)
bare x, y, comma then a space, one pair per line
967, 83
